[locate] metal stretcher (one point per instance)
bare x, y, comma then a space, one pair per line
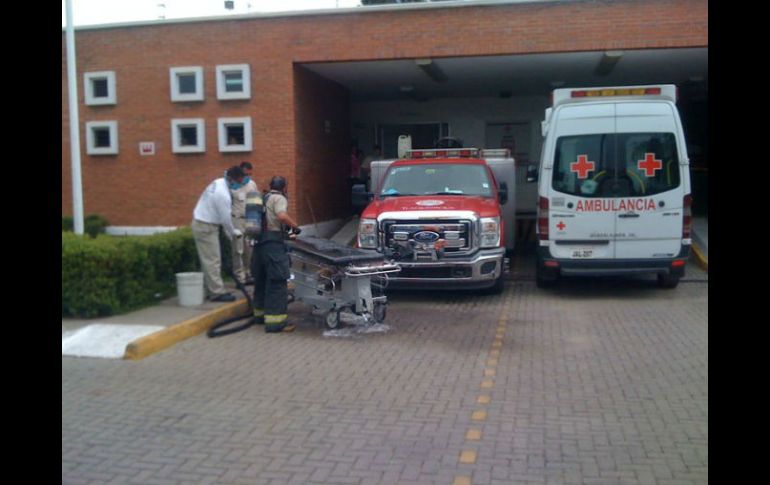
333, 278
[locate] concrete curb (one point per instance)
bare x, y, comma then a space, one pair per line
700, 258
162, 339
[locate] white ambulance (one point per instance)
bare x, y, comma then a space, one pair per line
614, 185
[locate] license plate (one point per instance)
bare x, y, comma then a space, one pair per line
582, 253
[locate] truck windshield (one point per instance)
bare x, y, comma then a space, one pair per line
437, 179
616, 165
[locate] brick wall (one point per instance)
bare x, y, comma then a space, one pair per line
288, 102
323, 150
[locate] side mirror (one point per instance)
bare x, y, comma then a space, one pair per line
532, 173
360, 198
502, 192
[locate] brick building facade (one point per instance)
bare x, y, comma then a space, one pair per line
301, 121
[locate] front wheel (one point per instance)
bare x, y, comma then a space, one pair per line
379, 312
498, 287
332, 319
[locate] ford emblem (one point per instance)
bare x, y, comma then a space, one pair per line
426, 236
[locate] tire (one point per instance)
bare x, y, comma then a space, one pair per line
379, 312
668, 281
498, 287
542, 281
332, 319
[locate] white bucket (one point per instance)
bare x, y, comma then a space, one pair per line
189, 287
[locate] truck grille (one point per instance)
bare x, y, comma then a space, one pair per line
455, 235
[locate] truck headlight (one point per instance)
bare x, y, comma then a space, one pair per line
490, 232
367, 234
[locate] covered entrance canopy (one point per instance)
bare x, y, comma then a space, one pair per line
493, 101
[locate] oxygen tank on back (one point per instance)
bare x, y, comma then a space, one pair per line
255, 212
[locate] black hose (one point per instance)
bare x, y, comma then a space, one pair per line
214, 331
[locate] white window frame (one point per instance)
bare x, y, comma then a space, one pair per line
176, 139
222, 132
91, 147
182, 97
245, 75
91, 99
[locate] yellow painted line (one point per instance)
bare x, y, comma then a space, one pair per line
700, 258
479, 416
475, 434
468, 456
155, 342
462, 480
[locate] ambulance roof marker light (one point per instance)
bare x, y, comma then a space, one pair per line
444, 153
591, 93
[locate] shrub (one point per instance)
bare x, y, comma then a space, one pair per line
93, 224
106, 275
67, 223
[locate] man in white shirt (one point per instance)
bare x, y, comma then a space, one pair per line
214, 209
241, 249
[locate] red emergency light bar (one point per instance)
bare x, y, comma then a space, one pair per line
442, 153
586, 93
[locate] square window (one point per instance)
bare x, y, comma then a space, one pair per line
102, 137
186, 83
188, 135
100, 88
234, 134
233, 81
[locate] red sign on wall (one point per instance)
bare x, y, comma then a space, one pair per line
147, 148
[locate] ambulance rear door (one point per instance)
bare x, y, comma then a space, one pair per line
579, 228
649, 219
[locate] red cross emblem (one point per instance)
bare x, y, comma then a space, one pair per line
561, 225
582, 166
649, 164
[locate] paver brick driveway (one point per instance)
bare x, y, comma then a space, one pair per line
596, 381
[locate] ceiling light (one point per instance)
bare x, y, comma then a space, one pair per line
607, 63
431, 69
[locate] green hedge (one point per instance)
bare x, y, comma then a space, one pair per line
107, 275
93, 224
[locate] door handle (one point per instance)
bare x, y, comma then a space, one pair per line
626, 216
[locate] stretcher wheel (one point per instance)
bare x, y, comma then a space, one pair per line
333, 318
379, 312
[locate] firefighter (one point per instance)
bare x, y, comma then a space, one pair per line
270, 261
